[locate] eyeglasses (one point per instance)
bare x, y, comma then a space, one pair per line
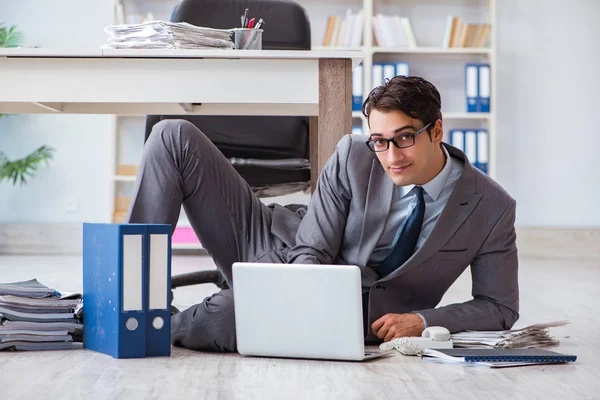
401, 141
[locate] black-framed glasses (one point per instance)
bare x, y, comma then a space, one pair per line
401, 141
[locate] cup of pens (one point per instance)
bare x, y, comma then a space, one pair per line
247, 38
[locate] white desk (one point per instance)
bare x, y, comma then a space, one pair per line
210, 82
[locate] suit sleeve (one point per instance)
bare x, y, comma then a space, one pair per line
321, 231
495, 303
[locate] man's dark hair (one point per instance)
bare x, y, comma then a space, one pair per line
412, 95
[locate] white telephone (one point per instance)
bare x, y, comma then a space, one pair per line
434, 337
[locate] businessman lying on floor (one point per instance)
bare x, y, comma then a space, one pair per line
411, 211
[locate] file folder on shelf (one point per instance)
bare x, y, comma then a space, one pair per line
357, 88
472, 87
484, 84
402, 69
126, 289
482, 150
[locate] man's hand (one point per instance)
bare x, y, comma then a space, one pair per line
392, 326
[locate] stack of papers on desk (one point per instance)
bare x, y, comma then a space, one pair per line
166, 35
532, 336
36, 317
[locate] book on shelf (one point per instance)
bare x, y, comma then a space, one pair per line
459, 34
344, 31
393, 31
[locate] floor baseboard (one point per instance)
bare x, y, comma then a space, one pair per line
532, 242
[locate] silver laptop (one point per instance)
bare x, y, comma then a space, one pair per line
299, 311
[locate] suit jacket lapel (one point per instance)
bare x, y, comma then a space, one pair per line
460, 205
379, 200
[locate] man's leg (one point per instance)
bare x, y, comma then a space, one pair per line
180, 165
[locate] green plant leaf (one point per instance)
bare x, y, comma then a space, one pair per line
19, 171
10, 37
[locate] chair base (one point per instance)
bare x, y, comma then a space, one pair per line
198, 277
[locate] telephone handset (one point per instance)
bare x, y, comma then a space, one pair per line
434, 337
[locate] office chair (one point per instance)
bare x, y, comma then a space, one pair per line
270, 152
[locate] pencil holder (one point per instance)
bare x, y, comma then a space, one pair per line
247, 38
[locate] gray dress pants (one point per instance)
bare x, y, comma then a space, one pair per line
180, 165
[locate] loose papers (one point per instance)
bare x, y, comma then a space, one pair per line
532, 336
166, 35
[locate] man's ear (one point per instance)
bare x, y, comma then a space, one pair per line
437, 132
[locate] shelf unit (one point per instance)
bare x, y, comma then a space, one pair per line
487, 53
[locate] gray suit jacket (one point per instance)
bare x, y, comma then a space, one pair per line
345, 220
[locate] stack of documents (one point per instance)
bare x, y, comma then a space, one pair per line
532, 336
36, 317
166, 35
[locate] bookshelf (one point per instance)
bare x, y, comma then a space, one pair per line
443, 66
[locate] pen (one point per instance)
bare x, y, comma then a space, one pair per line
251, 23
245, 18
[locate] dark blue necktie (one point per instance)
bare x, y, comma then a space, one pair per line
407, 241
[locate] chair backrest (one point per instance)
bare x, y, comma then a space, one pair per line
286, 27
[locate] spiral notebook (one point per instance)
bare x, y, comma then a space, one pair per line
497, 358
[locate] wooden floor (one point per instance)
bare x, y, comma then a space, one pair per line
550, 290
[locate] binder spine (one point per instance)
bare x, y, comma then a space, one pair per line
472, 87
357, 88
537, 359
132, 319
158, 313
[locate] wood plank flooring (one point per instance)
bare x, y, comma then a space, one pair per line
550, 290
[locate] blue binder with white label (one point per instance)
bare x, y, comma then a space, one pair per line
357, 88
482, 150
484, 87
472, 87
158, 313
116, 286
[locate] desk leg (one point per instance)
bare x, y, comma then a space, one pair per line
335, 113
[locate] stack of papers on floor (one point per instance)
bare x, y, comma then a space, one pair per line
167, 35
36, 317
532, 336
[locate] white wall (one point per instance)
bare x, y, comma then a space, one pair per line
548, 103
79, 170
547, 99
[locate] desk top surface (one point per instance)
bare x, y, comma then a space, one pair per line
355, 55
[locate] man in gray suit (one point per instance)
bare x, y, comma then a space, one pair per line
411, 211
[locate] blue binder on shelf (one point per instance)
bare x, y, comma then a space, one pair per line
377, 74
484, 87
471, 146
472, 87
482, 150
457, 139
126, 289
357, 88
402, 69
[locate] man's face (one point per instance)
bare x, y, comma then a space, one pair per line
414, 165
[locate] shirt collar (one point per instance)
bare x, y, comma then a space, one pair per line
434, 187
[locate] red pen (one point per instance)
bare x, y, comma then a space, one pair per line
251, 23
